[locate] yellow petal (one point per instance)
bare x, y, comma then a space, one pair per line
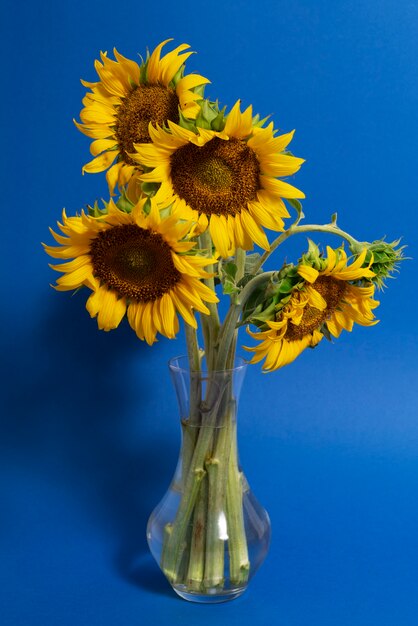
111, 310
100, 163
147, 323
153, 67
308, 273
168, 314
254, 231
100, 145
112, 176
280, 188
191, 81
135, 312
93, 131
219, 235
184, 310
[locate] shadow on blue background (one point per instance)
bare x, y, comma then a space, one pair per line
68, 420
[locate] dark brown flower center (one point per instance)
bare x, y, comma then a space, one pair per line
148, 103
135, 262
332, 290
218, 178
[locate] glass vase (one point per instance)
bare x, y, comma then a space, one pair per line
209, 534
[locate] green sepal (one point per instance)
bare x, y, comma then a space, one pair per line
259, 317
313, 256
123, 203
326, 333
150, 189
143, 71
95, 210
177, 76
147, 207
218, 122
270, 298
206, 115
186, 123
257, 123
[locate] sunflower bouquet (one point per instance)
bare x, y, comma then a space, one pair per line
193, 189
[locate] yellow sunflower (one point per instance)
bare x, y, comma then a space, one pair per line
126, 99
328, 299
227, 180
136, 264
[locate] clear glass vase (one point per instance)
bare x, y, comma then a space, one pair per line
209, 534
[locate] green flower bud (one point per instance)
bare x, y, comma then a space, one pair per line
386, 258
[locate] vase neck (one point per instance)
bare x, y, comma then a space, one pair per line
207, 398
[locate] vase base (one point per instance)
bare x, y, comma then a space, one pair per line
210, 596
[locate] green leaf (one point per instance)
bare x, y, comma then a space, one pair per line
251, 261
230, 270
230, 288
245, 279
297, 206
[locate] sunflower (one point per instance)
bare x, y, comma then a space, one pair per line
225, 179
127, 97
136, 264
327, 303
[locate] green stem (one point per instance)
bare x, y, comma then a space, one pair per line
217, 469
306, 228
228, 328
192, 348
240, 263
198, 541
239, 564
206, 334
210, 323
193, 353
190, 434
175, 533
178, 529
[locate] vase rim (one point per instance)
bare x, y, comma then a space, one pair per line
180, 363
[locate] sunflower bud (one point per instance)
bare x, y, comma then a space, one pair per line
210, 116
386, 258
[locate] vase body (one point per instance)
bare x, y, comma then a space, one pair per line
209, 534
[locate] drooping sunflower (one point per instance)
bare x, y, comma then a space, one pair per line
120, 106
228, 180
328, 301
136, 264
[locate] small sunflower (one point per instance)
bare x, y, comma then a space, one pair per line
126, 99
327, 303
228, 180
136, 264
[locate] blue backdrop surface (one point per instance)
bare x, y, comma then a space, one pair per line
90, 435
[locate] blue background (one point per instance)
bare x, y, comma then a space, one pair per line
90, 432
